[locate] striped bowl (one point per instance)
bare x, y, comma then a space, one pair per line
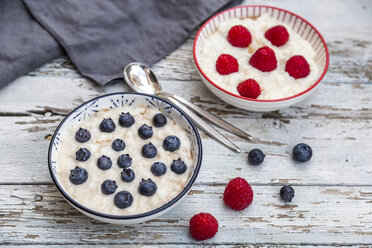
298, 24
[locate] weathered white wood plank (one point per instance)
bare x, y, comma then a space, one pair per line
317, 215
349, 42
201, 245
342, 151
60, 95
350, 62
335, 121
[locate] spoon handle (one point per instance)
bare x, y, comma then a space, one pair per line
204, 125
213, 118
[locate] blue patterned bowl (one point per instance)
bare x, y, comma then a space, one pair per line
121, 100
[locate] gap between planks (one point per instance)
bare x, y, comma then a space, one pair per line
195, 244
218, 184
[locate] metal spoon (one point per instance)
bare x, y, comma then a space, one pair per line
141, 79
139, 72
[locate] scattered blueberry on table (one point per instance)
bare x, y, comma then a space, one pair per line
108, 187
104, 162
126, 120
83, 154
178, 166
147, 187
127, 175
171, 143
145, 131
82, 135
118, 145
256, 157
302, 152
158, 169
159, 120
123, 199
287, 193
107, 125
124, 161
149, 150
78, 175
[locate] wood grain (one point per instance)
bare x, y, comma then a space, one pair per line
333, 201
60, 95
38, 214
336, 142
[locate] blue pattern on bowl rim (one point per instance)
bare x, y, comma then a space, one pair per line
119, 100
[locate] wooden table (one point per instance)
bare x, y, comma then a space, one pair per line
333, 201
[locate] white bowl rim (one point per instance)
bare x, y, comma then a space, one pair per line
262, 100
134, 216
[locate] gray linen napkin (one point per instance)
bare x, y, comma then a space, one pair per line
100, 37
24, 44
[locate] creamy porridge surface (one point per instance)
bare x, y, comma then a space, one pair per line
275, 84
90, 194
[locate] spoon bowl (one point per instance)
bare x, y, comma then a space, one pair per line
141, 78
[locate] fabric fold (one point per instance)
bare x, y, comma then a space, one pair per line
99, 37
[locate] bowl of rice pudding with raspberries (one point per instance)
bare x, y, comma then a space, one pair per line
260, 58
125, 157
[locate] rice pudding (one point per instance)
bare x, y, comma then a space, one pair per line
125, 161
275, 84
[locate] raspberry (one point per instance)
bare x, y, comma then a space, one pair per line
277, 35
239, 36
249, 88
264, 59
203, 226
238, 194
226, 64
297, 67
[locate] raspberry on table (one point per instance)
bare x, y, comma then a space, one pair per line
249, 88
203, 226
239, 36
264, 59
277, 35
238, 194
297, 67
226, 64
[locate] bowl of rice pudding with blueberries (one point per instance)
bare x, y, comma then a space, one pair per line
260, 58
125, 157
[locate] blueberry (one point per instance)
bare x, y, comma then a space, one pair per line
118, 145
287, 193
124, 161
123, 199
145, 131
78, 175
147, 187
171, 143
302, 152
126, 120
104, 162
127, 175
178, 166
108, 187
158, 169
159, 120
149, 150
107, 125
256, 157
83, 154
82, 135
